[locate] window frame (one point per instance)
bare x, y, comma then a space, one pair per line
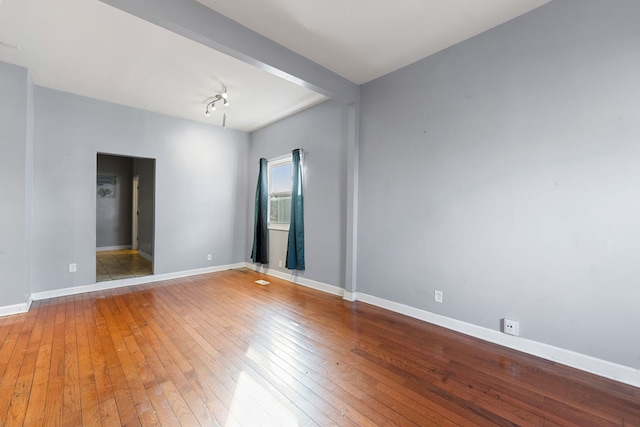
273, 163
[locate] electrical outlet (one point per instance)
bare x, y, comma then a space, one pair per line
209, 257
511, 327
280, 263
73, 268
437, 296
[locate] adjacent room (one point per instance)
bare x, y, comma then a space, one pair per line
281, 213
124, 217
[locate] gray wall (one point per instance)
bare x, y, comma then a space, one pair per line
114, 214
16, 175
505, 171
321, 132
200, 193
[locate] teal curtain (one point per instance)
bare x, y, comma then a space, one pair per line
295, 245
260, 251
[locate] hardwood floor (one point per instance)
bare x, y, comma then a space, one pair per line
219, 349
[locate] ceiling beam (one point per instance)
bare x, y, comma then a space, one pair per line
210, 28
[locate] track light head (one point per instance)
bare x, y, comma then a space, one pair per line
211, 106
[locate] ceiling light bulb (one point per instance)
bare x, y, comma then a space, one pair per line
206, 113
224, 95
226, 103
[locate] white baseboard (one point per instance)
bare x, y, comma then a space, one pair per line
112, 284
350, 296
145, 255
8, 310
292, 277
112, 248
603, 368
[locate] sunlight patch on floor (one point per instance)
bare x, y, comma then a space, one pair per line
249, 394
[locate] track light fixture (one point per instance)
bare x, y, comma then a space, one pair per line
211, 106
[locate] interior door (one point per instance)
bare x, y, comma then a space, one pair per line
135, 213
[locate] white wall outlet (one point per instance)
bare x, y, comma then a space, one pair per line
280, 263
73, 268
511, 327
437, 296
208, 257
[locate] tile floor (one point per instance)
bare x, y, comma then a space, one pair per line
121, 264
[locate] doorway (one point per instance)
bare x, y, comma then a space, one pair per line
125, 214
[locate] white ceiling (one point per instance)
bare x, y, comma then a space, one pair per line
89, 48
363, 39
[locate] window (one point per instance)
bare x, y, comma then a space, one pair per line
280, 170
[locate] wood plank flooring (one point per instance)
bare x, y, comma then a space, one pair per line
221, 350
